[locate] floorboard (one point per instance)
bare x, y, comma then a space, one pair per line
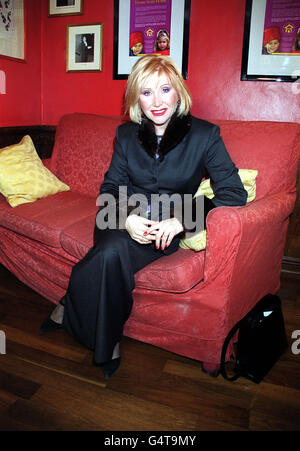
49, 383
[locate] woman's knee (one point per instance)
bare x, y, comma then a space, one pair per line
111, 242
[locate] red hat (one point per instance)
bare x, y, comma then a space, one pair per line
271, 34
135, 38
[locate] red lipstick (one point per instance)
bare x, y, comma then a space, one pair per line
159, 112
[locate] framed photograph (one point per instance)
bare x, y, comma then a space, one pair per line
271, 48
12, 29
65, 7
84, 47
140, 28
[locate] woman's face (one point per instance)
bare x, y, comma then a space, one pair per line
158, 101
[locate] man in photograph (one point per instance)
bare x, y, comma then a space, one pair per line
84, 48
65, 2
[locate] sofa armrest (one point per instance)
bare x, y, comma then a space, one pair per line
244, 251
250, 237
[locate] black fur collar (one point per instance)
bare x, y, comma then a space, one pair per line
176, 130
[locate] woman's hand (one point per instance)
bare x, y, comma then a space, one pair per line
164, 231
138, 228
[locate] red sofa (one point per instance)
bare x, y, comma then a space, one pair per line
188, 301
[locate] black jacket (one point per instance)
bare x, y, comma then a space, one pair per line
190, 149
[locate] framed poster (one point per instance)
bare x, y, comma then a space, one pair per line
84, 47
147, 27
65, 7
271, 49
12, 29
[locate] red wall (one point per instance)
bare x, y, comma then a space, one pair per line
84, 92
215, 67
216, 34
21, 104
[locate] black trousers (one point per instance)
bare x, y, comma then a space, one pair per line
98, 301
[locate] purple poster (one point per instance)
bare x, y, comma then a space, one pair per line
282, 27
150, 27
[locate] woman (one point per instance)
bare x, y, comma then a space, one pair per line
163, 150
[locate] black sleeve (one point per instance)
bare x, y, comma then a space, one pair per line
225, 180
117, 174
115, 177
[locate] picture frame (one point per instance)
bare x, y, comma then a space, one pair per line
84, 47
165, 16
65, 8
12, 30
262, 22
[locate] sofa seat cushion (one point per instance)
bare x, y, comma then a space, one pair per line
45, 219
175, 273
77, 238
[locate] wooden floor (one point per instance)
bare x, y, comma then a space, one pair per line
48, 382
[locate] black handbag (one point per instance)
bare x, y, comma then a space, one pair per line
261, 341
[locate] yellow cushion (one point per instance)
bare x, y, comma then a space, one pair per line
23, 177
248, 178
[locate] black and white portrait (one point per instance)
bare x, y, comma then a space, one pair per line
65, 2
85, 48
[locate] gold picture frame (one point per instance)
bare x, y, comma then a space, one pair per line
84, 47
65, 8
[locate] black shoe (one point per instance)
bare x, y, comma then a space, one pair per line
110, 367
49, 326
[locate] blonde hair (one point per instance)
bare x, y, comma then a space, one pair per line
143, 69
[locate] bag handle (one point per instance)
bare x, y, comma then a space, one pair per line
224, 350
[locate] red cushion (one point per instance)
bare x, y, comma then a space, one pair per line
83, 149
44, 219
77, 238
174, 273
268, 147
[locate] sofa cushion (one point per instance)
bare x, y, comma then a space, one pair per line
272, 148
174, 273
77, 238
83, 149
23, 177
44, 219
197, 242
